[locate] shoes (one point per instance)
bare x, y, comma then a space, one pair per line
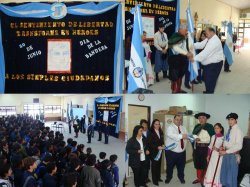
200, 81
148, 180
167, 181
156, 183
88, 142
182, 91
99, 140
187, 86
195, 82
196, 181
160, 180
228, 71
182, 181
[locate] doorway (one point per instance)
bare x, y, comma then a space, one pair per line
135, 114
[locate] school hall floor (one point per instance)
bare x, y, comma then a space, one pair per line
235, 82
115, 146
190, 176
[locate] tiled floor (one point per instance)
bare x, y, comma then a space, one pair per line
190, 175
235, 82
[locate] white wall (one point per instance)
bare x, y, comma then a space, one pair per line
164, 101
19, 99
211, 10
219, 106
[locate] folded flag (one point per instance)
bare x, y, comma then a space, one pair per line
171, 146
192, 138
158, 156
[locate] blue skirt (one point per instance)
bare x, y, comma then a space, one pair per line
160, 64
229, 171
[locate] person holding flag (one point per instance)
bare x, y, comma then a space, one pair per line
211, 57
178, 59
137, 67
176, 133
156, 144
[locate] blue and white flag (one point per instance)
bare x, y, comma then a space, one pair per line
177, 20
71, 110
192, 67
191, 138
228, 47
137, 66
158, 156
87, 117
171, 146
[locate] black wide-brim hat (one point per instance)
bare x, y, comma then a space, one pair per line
202, 114
232, 115
175, 38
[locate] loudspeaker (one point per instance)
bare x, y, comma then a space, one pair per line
142, 91
244, 166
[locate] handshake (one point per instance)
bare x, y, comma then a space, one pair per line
190, 56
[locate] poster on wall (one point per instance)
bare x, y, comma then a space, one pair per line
61, 48
107, 113
154, 12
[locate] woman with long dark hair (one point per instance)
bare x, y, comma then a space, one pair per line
137, 150
156, 145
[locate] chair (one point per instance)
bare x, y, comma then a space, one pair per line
54, 125
60, 127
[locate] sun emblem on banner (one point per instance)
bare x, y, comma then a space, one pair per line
106, 100
138, 72
58, 10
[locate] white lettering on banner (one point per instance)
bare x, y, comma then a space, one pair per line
166, 22
34, 54
31, 54
83, 42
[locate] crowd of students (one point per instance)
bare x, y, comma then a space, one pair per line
32, 155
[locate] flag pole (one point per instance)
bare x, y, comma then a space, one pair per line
192, 87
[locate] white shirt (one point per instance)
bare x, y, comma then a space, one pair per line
212, 51
235, 140
173, 136
145, 133
158, 42
142, 155
180, 48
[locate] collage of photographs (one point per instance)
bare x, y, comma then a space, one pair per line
124, 93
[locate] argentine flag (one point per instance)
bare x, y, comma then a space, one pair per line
137, 74
228, 47
192, 67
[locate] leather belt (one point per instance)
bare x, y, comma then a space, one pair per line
202, 144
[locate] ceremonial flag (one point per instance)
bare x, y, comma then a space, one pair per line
177, 21
86, 118
137, 67
71, 110
228, 47
171, 146
192, 67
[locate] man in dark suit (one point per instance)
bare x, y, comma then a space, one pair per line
99, 126
90, 131
106, 133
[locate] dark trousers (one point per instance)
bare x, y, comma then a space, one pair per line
147, 166
178, 160
140, 174
100, 135
106, 138
226, 66
89, 137
211, 74
187, 77
156, 170
70, 129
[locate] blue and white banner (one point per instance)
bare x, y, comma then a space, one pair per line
228, 47
107, 112
61, 48
137, 66
171, 146
194, 66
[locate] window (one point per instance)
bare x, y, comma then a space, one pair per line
52, 109
33, 109
7, 110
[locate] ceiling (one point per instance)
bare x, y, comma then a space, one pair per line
241, 4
